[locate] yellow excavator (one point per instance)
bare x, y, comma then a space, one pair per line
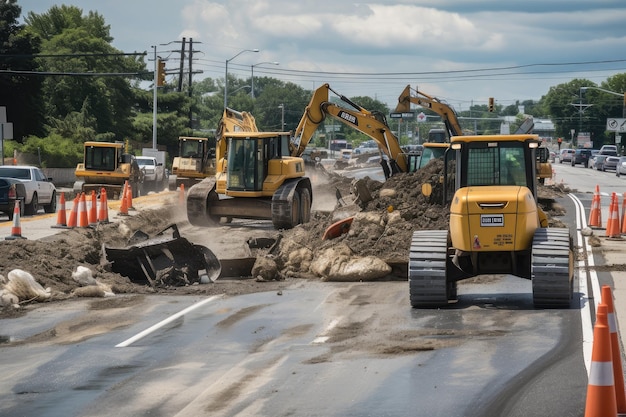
372, 124
256, 177
495, 227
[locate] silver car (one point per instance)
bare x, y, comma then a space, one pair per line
597, 162
610, 163
621, 166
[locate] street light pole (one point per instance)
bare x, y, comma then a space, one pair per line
623, 95
252, 74
226, 74
282, 117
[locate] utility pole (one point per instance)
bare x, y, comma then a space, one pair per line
154, 102
190, 85
182, 64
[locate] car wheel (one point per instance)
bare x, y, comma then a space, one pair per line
33, 207
52, 207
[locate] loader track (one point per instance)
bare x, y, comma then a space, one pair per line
428, 256
551, 268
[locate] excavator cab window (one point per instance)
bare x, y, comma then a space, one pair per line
494, 163
246, 164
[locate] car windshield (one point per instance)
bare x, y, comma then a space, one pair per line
142, 162
18, 173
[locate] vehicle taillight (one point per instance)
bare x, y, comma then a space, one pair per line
12, 193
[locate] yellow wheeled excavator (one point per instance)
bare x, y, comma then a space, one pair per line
257, 177
496, 226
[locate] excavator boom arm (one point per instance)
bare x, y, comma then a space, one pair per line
447, 113
358, 118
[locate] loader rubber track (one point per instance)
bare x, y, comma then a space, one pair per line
428, 256
551, 268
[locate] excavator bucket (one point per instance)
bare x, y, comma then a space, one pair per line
165, 260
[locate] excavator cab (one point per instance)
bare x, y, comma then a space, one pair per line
247, 166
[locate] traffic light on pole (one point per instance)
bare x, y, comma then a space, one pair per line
160, 78
491, 101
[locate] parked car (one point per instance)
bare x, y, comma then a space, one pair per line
597, 162
566, 155
621, 166
610, 150
581, 156
610, 163
12, 193
40, 191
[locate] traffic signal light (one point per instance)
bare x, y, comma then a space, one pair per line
160, 78
491, 101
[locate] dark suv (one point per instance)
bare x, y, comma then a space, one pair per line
581, 156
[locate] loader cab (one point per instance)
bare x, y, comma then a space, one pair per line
494, 161
102, 156
248, 157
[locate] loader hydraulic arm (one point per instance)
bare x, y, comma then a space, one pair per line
419, 98
372, 124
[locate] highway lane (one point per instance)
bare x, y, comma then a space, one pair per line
314, 349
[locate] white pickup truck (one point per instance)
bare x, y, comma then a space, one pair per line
154, 173
40, 191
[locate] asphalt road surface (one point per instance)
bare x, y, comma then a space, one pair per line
312, 348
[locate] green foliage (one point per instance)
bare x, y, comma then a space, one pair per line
21, 95
54, 150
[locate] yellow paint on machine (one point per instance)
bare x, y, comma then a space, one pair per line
501, 218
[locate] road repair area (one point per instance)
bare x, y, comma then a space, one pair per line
374, 247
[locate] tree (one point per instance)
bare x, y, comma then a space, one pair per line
82, 44
20, 92
569, 110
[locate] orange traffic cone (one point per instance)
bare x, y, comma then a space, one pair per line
71, 223
612, 224
601, 389
83, 221
623, 230
129, 196
93, 209
595, 215
181, 195
16, 230
618, 372
124, 203
103, 212
61, 216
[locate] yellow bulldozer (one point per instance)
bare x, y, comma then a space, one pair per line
108, 165
496, 226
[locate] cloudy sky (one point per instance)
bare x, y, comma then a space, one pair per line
461, 51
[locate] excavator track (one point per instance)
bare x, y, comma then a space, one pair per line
428, 257
551, 268
199, 197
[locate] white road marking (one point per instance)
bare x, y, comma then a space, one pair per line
323, 338
586, 299
162, 323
